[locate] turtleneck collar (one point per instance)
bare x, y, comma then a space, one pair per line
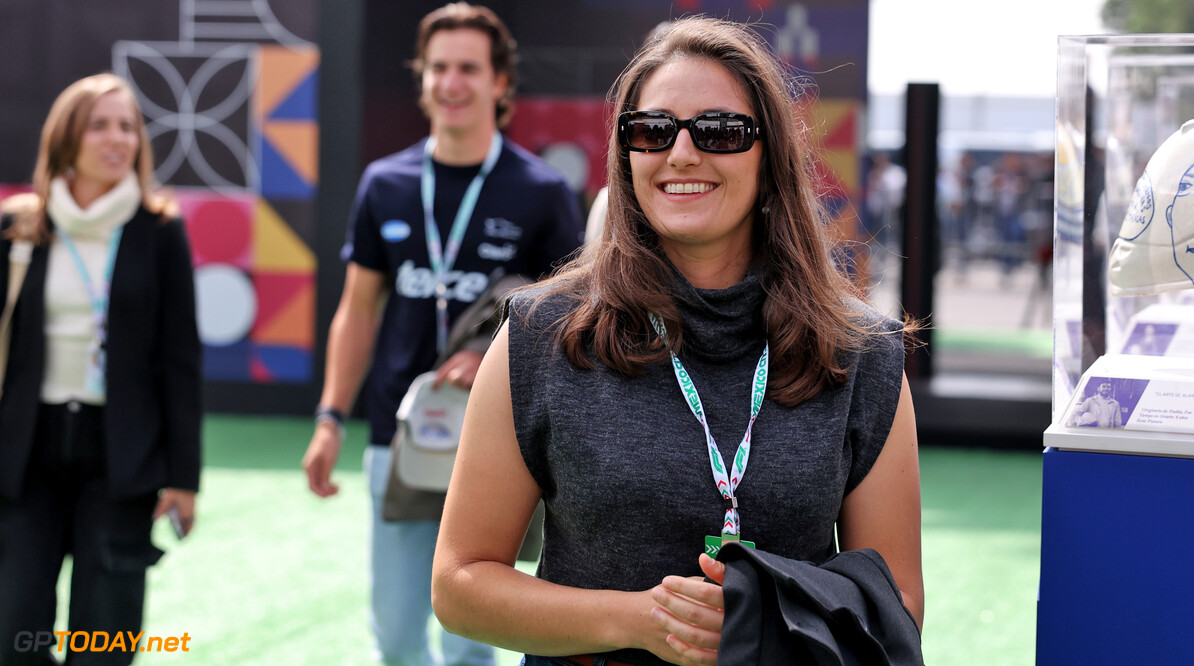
102, 217
721, 324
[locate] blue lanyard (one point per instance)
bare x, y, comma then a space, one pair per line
443, 258
98, 294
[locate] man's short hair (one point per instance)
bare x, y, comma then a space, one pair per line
503, 50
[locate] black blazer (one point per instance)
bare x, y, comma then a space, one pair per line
154, 375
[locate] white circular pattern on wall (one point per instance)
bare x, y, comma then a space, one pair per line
226, 304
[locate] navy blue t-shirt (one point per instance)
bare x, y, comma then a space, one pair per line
526, 221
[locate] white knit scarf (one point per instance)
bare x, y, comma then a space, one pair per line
102, 217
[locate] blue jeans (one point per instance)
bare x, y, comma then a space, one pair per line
400, 584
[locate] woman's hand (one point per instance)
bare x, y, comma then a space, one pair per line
184, 500
691, 612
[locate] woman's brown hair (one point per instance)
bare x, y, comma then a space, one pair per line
61, 137
809, 313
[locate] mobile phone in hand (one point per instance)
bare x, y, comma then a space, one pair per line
176, 522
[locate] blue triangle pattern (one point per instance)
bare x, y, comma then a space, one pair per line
302, 103
278, 179
286, 364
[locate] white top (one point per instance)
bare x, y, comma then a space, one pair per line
70, 321
70, 324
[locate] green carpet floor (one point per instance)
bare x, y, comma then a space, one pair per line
1033, 343
274, 575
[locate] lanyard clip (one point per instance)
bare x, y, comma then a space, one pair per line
729, 502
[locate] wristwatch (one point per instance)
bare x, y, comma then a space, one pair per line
326, 414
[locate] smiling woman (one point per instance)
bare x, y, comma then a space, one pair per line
100, 413
701, 204
107, 149
707, 324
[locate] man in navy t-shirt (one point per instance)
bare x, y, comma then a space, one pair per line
429, 228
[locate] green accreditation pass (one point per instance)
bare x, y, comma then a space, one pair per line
713, 545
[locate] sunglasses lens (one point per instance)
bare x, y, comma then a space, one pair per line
649, 133
719, 133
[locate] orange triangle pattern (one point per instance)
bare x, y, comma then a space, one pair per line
275, 245
297, 141
281, 70
293, 324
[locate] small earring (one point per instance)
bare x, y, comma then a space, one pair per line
765, 210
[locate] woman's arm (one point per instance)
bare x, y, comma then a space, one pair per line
475, 589
883, 512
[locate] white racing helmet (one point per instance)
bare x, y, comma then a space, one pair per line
1154, 252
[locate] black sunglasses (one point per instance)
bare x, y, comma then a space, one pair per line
717, 132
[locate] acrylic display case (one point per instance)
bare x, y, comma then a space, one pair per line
1123, 266
1117, 529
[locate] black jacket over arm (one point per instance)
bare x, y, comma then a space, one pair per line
845, 612
154, 411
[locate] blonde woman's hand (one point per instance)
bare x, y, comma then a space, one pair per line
176, 498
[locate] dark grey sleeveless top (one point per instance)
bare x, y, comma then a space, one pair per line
621, 461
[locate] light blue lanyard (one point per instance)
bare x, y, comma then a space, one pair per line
443, 258
98, 293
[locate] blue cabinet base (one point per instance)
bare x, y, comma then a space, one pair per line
1117, 560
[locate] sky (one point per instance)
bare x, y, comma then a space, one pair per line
1005, 48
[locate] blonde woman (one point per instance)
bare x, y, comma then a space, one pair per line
100, 410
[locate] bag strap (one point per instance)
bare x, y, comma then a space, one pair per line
19, 256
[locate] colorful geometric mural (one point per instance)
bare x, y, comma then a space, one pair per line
284, 113
233, 115
285, 109
835, 127
255, 281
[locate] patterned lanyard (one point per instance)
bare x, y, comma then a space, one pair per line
443, 258
98, 294
731, 529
